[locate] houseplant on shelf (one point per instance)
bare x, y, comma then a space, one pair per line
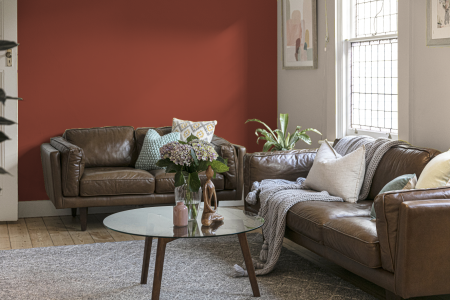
186, 160
280, 139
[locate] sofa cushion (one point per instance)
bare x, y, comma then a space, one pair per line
340, 176
308, 218
105, 181
399, 160
150, 153
105, 146
354, 237
165, 183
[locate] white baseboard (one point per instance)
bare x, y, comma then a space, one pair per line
45, 208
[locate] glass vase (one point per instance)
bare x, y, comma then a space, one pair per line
191, 199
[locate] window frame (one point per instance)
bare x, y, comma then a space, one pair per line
345, 35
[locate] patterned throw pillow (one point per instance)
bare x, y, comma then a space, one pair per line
204, 130
150, 154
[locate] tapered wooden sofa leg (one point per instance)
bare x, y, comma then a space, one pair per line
74, 212
83, 218
391, 296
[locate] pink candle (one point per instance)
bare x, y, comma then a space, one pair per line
180, 214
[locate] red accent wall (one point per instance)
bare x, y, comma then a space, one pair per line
103, 63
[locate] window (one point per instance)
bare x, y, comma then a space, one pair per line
369, 70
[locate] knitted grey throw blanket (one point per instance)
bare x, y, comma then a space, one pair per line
273, 210
375, 149
277, 196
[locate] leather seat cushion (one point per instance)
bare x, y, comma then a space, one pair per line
309, 217
106, 181
165, 183
354, 237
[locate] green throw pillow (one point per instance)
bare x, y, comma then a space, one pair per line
150, 149
395, 184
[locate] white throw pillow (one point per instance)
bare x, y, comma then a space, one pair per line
204, 130
436, 173
339, 176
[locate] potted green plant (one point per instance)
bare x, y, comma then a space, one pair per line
280, 139
186, 160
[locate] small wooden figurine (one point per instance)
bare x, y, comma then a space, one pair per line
209, 193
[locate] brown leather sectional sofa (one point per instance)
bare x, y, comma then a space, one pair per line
95, 167
406, 250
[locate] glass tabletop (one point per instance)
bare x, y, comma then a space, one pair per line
158, 222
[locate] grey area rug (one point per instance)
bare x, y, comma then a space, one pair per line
193, 269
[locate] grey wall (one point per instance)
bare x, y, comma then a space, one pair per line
429, 79
309, 95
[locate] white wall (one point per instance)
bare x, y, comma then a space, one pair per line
309, 95
426, 80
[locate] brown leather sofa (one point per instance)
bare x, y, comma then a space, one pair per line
95, 167
406, 250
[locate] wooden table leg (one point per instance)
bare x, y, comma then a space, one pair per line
146, 262
159, 264
249, 263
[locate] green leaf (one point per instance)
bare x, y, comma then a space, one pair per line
284, 120
173, 168
310, 129
214, 176
267, 146
286, 141
194, 182
203, 165
280, 137
304, 137
294, 139
179, 179
191, 138
267, 135
164, 162
220, 158
181, 142
219, 167
261, 138
256, 120
194, 157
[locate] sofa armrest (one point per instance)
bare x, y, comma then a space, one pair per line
228, 151
287, 165
240, 152
387, 208
50, 158
72, 165
423, 256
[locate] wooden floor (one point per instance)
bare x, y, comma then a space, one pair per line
65, 230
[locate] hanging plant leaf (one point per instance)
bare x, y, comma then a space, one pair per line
3, 171
3, 97
5, 45
4, 121
3, 137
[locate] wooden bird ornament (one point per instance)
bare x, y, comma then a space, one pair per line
209, 193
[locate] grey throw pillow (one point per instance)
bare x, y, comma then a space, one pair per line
150, 154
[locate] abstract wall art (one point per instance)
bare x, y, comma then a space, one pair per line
438, 19
299, 33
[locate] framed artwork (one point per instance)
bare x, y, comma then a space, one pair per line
299, 34
438, 23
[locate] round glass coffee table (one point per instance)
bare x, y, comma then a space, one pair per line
157, 222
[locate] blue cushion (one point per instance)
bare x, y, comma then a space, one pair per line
150, 154
395, 184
